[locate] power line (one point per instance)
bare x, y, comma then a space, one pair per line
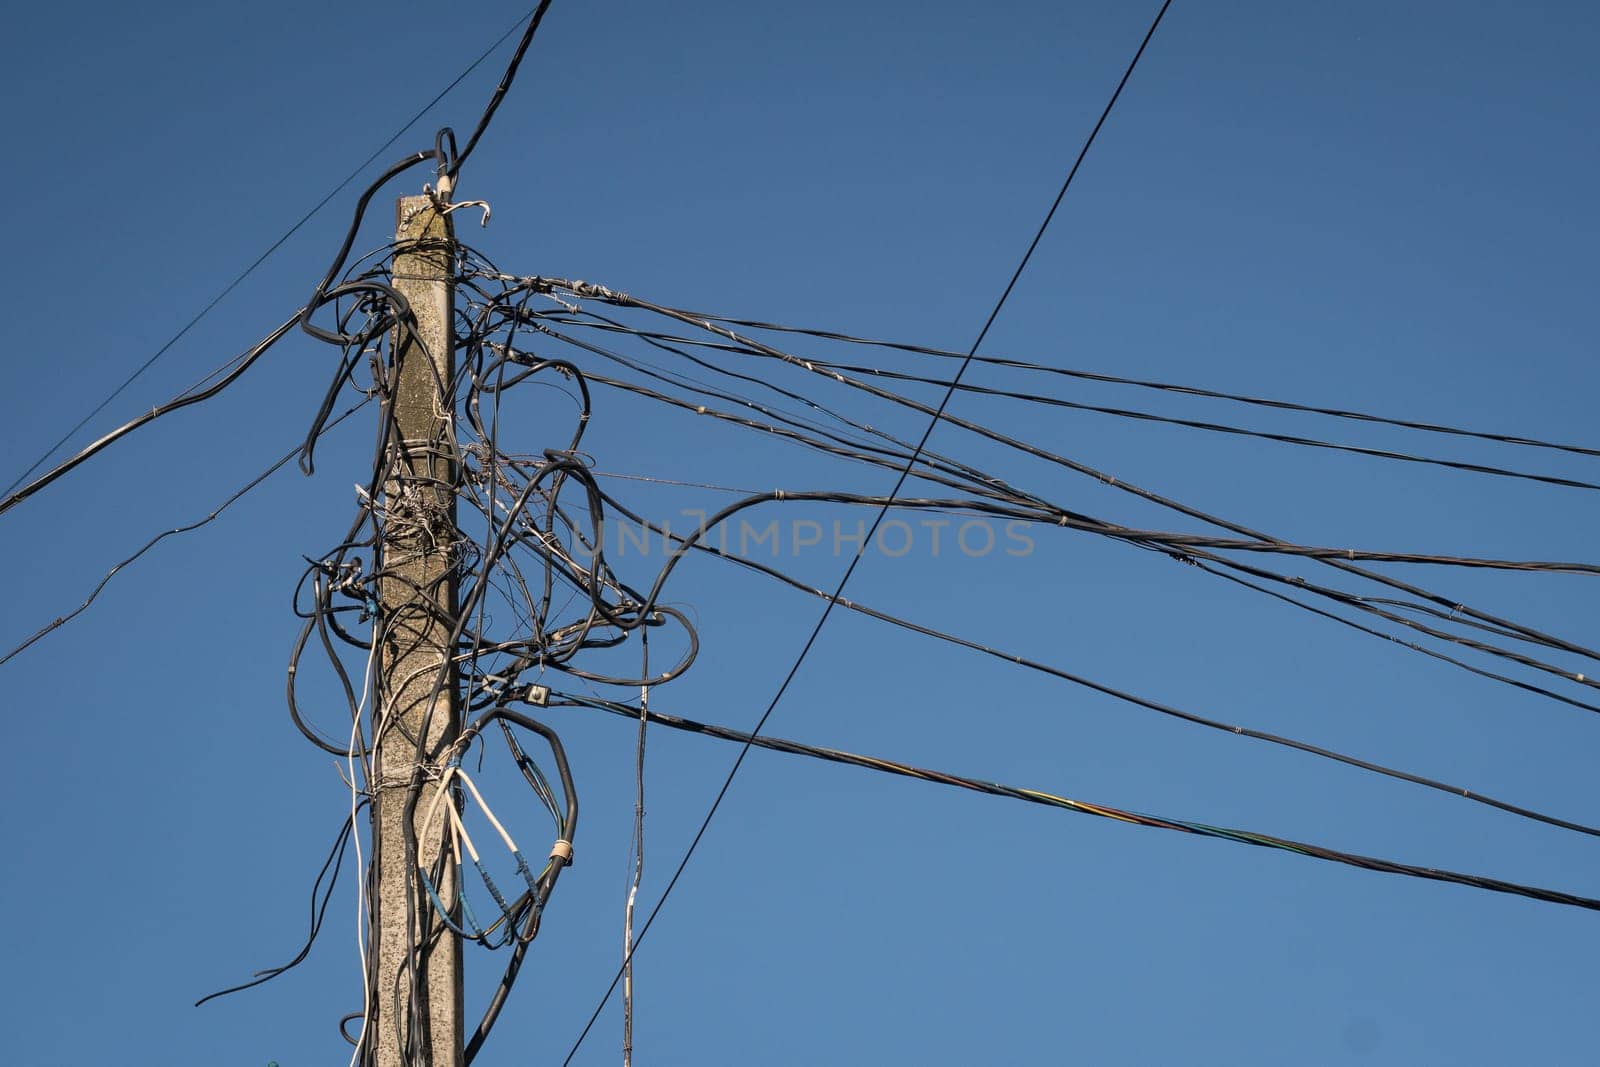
1170, 387
1452, 605
667, 342
1225, 428
1034, 796
877, 521
534, 19
334, 863
1061, 674
275, 467
262, 258
187, 398
952, 473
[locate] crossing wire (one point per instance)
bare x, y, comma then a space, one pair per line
905, 473
263, 257
1035, 796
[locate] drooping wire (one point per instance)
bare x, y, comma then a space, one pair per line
319, 909
94, 594
262, 258
697, 542
187, 398
542, 514
1343, 560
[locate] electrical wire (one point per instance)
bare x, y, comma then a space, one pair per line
1471, 615
189, 397
1034, 796
364, 595
330, 871
696, 541
262, 258
670, 342
94, 594
1225, 428
504, 87
1169, 387
636, 846
856, 559
972, 480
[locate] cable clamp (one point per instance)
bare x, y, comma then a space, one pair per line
562, 850
779, 494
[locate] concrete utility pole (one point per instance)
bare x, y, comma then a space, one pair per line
418, 548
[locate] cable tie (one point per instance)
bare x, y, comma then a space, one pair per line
562, 850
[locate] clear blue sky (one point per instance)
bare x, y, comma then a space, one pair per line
1373, 205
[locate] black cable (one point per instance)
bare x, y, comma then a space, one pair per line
1413, 646
334, 861
1158, 541
668, 342
1169, 387
245, 361
528, 519
275, 467
500, 91
1448, 603
262, 258
1032, 796
1224, 428
989, 486
411, 500
569, 829
695, 542
900, 481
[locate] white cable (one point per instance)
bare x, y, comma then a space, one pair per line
510, 844
459, 836
452, 820
355, 832
638, 860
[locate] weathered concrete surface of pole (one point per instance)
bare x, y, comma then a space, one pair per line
419, 542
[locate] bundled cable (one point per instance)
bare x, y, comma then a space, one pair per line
1035, 796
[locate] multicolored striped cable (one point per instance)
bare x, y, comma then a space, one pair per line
1035, 796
